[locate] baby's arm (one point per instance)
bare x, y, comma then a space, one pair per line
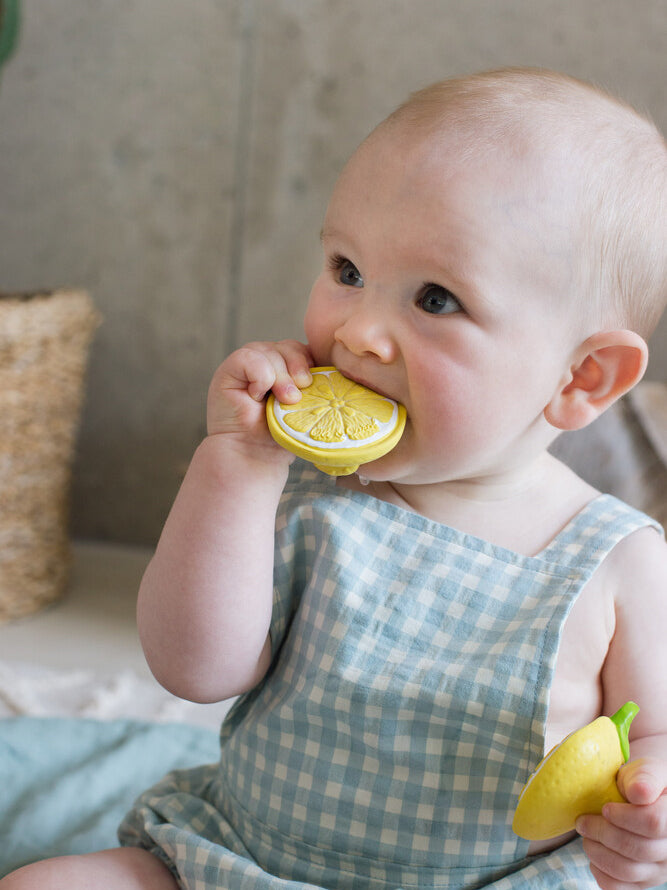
205, 601
627, 845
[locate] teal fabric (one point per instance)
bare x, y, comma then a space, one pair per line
404, 709
66, 783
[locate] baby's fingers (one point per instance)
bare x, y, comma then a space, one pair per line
260, 366
641, 865
607, 882
643, 781
280, 367
246, 376
627, 847
648, 821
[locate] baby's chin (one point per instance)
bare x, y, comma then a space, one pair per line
396, 470
392, 470
388, 468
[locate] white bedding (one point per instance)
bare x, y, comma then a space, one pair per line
27, 690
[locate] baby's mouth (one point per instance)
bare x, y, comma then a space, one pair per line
357, 378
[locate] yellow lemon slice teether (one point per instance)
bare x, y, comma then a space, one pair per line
577, 776
338, 424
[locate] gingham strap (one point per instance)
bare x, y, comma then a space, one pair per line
591, 535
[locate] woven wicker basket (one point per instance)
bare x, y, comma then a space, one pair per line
44, 342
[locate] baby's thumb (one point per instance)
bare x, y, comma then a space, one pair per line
642, 781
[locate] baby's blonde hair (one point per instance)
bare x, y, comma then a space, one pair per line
619, 156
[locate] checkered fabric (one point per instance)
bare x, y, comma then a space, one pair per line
404, 709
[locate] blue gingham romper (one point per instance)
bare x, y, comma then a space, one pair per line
403, 711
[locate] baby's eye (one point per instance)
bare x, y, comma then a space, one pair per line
346, 272
438, 300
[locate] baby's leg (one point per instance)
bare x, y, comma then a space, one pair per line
125, 868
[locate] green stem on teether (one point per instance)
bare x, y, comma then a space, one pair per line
622, 720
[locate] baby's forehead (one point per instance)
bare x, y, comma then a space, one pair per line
474, 134
444, 182
523, 160
585, 170
531, 119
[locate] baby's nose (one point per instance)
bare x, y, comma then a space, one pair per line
366, 331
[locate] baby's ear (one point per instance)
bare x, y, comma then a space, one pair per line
603, 368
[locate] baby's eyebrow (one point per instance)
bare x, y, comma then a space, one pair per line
328, 233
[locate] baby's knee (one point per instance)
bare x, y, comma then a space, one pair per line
124, 868
47, 874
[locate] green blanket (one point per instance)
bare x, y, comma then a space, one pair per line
65, 784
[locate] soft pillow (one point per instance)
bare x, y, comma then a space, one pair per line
624, 452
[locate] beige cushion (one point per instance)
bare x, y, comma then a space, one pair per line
625, 451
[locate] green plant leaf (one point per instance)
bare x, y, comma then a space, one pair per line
9, 28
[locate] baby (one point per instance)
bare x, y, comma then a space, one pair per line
407, 649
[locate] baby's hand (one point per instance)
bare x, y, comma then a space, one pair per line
237, 390
627, 844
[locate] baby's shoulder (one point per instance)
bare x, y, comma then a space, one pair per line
635, 667
637, 566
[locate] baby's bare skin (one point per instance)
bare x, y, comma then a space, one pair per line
128, 868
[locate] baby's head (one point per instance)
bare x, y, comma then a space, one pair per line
494, 258
600, 156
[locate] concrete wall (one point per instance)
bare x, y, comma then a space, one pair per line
175, 159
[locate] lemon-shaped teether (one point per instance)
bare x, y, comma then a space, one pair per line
577, 776
338, 424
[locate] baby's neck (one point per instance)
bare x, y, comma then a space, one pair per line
521, 510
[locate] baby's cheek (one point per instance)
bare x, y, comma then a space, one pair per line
318, 334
